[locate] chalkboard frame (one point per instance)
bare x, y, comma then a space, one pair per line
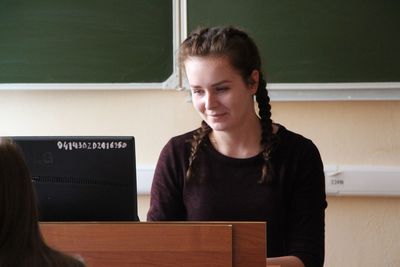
277, 91
319, 91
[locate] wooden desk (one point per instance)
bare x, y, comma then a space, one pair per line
186, 244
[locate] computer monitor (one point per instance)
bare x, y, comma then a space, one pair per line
82, 178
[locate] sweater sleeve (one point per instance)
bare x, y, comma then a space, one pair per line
166, 192
306, 215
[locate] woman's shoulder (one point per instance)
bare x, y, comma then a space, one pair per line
178, 145
294, 141
183, 138
181, 141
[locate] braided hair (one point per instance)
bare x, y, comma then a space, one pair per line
243, 55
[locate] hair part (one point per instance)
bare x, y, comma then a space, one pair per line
229, 42
242, 53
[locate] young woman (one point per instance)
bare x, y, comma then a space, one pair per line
239, 165
21, 243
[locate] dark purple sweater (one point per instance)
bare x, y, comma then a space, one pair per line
294, 205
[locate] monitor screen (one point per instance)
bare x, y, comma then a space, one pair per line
82, 178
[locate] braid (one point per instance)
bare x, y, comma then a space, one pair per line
197, 139
268, 139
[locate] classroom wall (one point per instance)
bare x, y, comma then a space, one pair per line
360, 231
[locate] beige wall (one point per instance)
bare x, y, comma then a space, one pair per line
360, 231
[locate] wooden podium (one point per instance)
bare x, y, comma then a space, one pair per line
172, 244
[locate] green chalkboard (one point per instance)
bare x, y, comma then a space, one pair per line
314, 41
85, 41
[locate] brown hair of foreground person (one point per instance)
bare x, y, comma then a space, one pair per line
21, 242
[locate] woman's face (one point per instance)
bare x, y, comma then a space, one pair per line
219, 92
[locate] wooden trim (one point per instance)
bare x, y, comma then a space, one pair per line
160, 244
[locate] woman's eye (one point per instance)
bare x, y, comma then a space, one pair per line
221, 89
197, 91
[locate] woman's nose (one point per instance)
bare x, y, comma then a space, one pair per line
210, 101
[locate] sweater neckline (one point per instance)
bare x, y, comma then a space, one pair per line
225, 158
